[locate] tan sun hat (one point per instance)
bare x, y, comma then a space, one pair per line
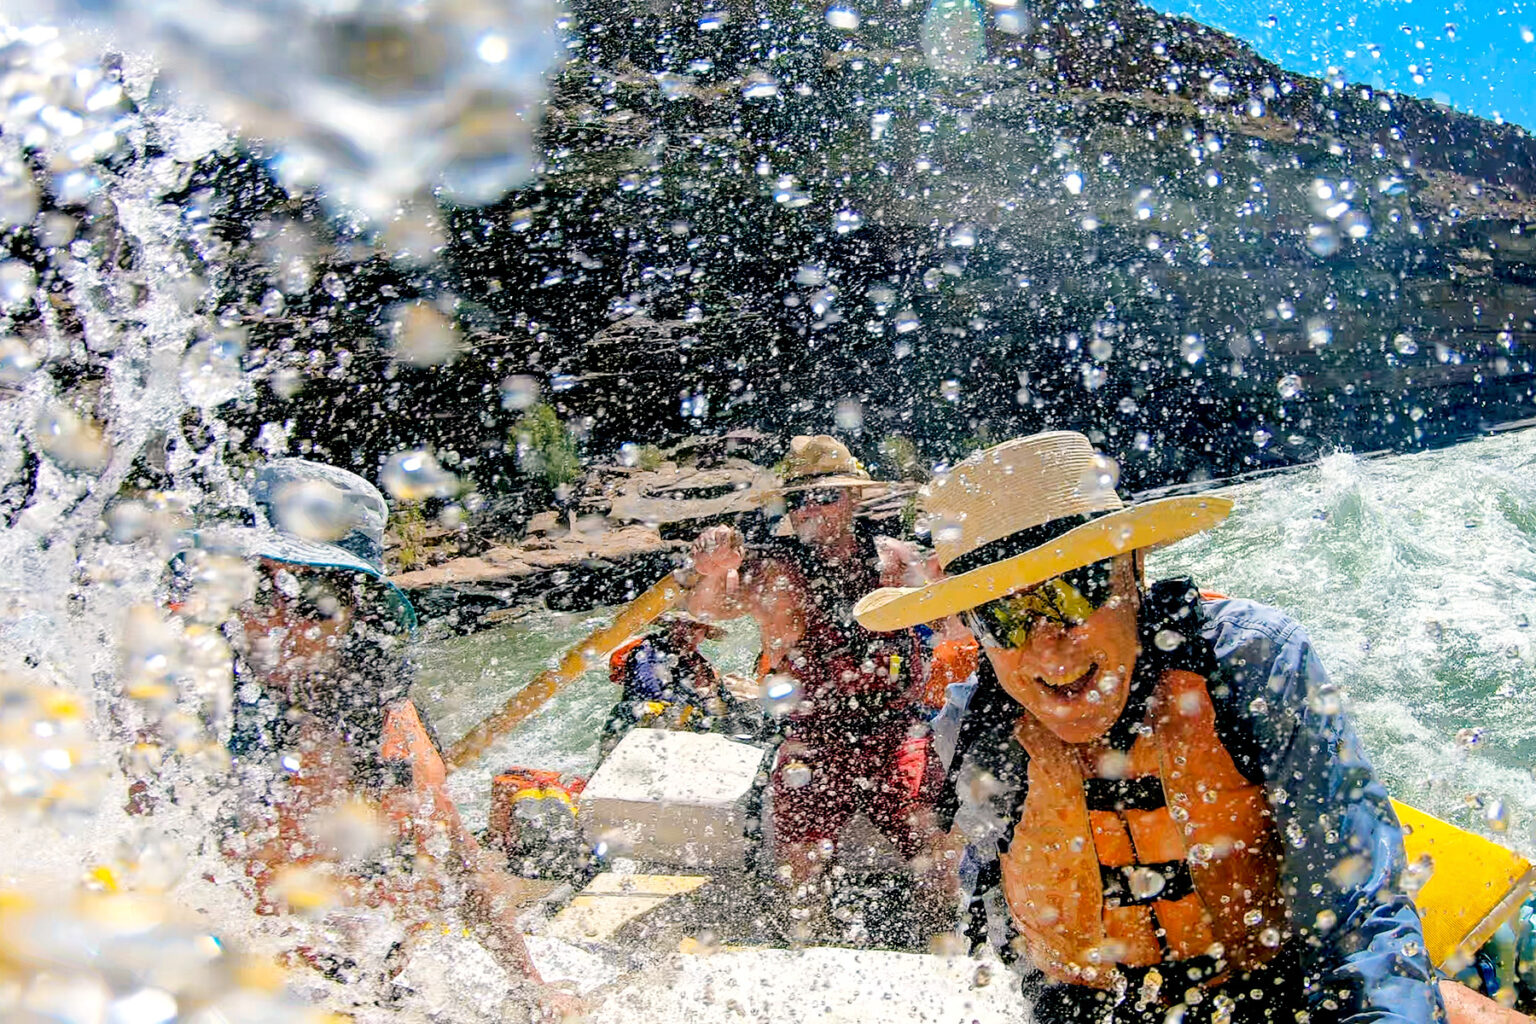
1023, 512
820, 461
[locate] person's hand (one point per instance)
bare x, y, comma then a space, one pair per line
558, 1006
717, 551
902, 564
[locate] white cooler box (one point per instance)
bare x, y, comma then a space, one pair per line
673, 798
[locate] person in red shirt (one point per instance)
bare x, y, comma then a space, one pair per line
856, 738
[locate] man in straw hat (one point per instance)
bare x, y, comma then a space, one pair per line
1183, 821
855, 737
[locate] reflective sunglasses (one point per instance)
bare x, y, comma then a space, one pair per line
812, 498
1067, 600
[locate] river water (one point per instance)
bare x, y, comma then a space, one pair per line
1414, 574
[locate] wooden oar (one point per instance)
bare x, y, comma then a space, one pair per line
632, 618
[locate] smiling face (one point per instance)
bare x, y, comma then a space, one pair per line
1075, 678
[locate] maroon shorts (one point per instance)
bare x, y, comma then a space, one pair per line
820, 782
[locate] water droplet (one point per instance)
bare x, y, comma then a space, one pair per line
812, 275
1100, 478
1405, 345
1192, 348
849, 414
1415, 875
1168, 639
1145, 883
845, 221
1220, 87
416, 475
17, 281
906, 321
953, 36
17, 361
210, 371
780, 694
759, 86
1496, 814
949, 390
1270, 937
1322, 239
963, 236
796, 774
1255, 107
843, 18
1253, 917
1101, 348
713, 21
1319, 332
422, 335
1074, 182
947, 531
1261, 437
1289, 386
1284, 309
70, 440
314, 509
1355, 224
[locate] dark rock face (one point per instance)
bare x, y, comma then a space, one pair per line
1117, 221
1113, 221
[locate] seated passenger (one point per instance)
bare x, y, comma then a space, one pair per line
667, 683
343, 787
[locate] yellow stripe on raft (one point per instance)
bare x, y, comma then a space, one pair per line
1475, 886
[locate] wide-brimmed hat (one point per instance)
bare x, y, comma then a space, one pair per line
311, 514
816, 461
1023, 512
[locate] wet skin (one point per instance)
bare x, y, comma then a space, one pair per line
286, 642
1075, 679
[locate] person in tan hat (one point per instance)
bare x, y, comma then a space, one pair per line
1178, 815
855, 738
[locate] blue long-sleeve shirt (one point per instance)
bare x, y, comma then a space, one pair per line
1354, 933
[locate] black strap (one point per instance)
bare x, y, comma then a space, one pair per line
1139, 794
1177, 883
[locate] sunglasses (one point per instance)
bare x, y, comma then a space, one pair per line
1067, 600
812, 498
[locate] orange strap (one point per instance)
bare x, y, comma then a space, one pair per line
952, 661
617, 659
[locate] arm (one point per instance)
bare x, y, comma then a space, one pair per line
715, 592
1360, 941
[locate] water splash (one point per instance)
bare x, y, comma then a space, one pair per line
954, 36
373, 103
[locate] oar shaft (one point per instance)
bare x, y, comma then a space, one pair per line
631, 619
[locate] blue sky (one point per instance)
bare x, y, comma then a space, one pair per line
1476, 55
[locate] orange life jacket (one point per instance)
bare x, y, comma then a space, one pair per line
1163, 853
616, 660
952, 661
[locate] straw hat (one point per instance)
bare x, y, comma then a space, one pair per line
820, 461
1021, 513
